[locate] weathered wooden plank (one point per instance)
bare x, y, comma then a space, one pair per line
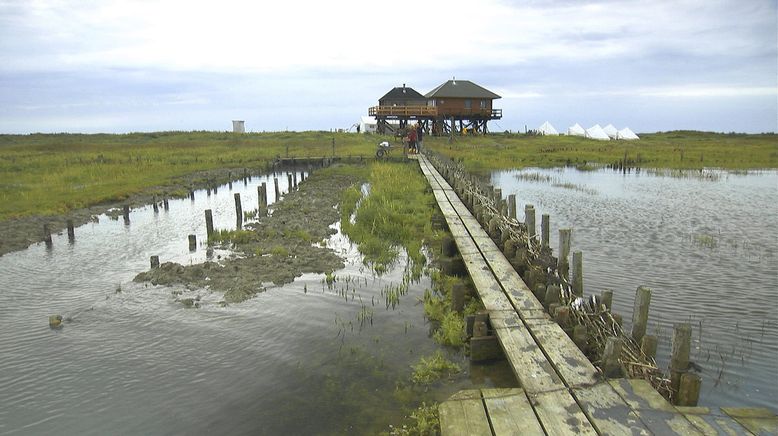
559, 414
571, 364
531, 368
609, 413
518, 292
653, 410
713, 425
510, 412
488, 288
757, 420
464, 415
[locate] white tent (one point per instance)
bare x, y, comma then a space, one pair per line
627, 134
547, 129
576, 130
610, 131
368, 124
596, 132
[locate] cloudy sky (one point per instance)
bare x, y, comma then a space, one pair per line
147, 65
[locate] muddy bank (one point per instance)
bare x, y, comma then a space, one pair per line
19, 233
273, 249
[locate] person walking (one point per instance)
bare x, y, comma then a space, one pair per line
419, 136
412, 139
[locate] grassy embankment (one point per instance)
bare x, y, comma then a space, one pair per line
673, 150
53, 174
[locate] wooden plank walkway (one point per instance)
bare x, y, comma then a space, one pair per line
561, 392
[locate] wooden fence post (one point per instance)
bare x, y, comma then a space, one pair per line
564, 251
545, 231
209, 223
640, 313
679, 359
578, 273
238, 211
529, 219
278, 191
512, 206
262, 199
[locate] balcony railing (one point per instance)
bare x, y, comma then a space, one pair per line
431, 111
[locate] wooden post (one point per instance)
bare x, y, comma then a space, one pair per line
289, 182
564, 251
71, 231
611, 367
512, 206
262, 199
191, 195
552, 296
47, 235
126, 212
689, 390
606, 296
278, 191
529, 219
648, 345
166, 205
497, 197
192, 242
154, 203
545, 231
209, 223
294, 179
640, 313
458, 297
154, 262
578, 273
238, 211
679, 359
580, 334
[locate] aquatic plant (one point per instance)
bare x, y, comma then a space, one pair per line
432, 368
451, 331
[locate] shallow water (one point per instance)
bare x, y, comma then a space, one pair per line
705, 243
297, 359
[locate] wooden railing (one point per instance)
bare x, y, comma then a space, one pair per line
430, 111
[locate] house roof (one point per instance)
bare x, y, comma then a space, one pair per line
402, 92
461, 89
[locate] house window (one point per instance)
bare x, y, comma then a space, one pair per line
483, 104
468, 104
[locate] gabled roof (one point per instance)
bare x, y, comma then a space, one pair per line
460, 89
402, 92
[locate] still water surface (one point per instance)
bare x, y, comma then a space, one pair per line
706, 243
297, 359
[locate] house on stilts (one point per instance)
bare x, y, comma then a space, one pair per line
456, 106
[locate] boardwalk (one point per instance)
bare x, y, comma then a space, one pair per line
561, 392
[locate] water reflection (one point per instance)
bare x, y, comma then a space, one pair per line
705, 242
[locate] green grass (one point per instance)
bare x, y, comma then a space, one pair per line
52, 174
676, 150
397, 213
432, 368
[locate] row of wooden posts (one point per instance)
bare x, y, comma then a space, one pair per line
550, 281
262, 210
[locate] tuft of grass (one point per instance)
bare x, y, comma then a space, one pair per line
233, 236
432, 368
451, 331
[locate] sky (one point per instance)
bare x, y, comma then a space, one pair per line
87, 66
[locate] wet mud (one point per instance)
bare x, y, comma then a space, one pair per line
272, 250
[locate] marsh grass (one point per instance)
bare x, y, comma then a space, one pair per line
674, 150
52, 174
432, 368
396, 214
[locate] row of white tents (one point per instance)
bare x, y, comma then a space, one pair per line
595, 132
